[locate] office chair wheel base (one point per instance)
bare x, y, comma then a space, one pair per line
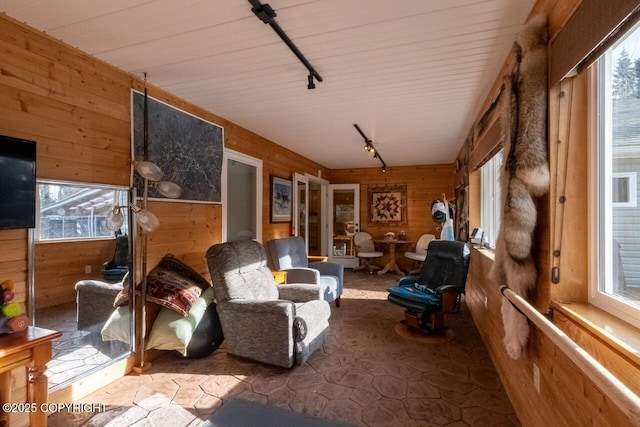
420, 335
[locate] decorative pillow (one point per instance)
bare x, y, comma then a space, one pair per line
122, 298
175, 285
118, 326
170, 331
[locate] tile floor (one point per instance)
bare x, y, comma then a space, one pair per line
77, 352
367, 374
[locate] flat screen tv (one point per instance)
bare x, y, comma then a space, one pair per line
17, 183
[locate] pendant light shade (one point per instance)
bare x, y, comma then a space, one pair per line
168, 189
146, 220
114, 219
149, 170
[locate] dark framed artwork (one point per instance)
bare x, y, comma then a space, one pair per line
281, 199
388, 205
186, 148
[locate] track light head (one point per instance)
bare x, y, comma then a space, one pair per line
311, 84
368, 145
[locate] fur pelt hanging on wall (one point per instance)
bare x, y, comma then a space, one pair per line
524, 176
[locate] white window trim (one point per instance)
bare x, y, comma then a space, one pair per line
632, 180
608, 303
490, 203
230, 154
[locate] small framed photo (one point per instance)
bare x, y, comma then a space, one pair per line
281, 199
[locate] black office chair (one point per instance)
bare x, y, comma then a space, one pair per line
115, 269
437, 289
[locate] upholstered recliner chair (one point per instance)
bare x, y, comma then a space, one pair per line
276, 324
438, 288
94, 300
289, 254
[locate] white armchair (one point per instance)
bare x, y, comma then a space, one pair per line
365, 250
420, 253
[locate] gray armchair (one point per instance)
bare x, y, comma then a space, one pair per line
276, 324
94, 300
289, 254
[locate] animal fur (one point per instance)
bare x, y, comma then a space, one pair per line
531, 134
524, 177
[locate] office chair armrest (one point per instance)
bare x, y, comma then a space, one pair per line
300, 292
446, 288
303, 275
449, 298
407, 280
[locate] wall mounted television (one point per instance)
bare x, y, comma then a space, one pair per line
17, 183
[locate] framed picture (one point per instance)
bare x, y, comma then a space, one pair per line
186, 148
281, 199
388, 205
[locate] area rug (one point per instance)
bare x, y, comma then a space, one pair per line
242, 413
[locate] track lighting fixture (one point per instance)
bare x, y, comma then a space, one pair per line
368, 145
266, 14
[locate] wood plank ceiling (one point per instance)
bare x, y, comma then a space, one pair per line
411, 73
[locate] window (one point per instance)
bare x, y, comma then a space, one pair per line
73, 211
490, 199
617, 285
623, 189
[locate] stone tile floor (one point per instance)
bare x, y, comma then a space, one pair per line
366, 374
77, 352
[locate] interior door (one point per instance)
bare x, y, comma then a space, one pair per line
317, 215
242, 197
299, 215
344, 221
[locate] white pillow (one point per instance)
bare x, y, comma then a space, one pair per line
118, 326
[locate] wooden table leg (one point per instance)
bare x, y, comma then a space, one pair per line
392, 265
5, 395
38, 383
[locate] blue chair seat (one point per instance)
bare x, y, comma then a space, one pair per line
412, 292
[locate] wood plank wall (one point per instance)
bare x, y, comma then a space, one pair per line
424, 184
566, 397
78, 110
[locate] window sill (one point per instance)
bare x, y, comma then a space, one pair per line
619, 335
486, 252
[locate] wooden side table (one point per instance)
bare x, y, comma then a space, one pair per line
30, 348
280, 277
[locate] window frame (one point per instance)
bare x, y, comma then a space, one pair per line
491, 212
632, 189
599, 122
39, 182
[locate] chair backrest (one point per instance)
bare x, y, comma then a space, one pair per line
287, 252
447, 263
363, 242
239, 271
423, 242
